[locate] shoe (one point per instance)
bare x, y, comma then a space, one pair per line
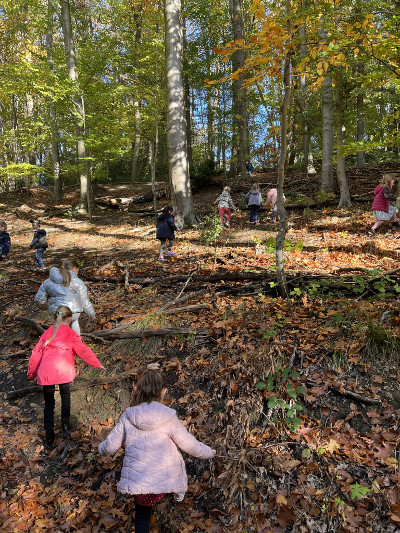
371, 232
42, 268
66, 430
170, 252
256, 223
161, 258
49, 439
227, 224
179, 496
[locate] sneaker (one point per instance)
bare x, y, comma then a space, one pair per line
371, 232
161, 258
42, 268
179, 496
170, 252
227, 224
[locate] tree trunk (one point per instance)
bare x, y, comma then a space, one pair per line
136, 104
54, 149
240, 143
78, 100
360, 119
327, 128
176, 121
345, 200
281, 276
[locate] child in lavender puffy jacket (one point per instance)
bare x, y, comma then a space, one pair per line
153, 464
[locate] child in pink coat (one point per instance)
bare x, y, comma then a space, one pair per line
271, 199
53, 363
153, 464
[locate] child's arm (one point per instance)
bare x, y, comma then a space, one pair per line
84, 298
5, 245
189, 444
41, 297
84, 352
171, 223
35, 359
114, 440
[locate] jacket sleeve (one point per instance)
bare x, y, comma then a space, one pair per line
84, 298
35, 358
247, 195
171, 223
231, 202
218, 199
114, 440
186, 442
387, 194
84, 352
5, 245
41, 297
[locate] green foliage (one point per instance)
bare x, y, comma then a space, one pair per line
288, 245
210, 229
358, 491
202, 173
285, 394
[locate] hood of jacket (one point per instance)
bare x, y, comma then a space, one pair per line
55, 275
163, 216
150, 416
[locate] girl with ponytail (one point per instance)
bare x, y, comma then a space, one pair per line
53, 363
65, 288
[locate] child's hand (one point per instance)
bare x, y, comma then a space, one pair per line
213, 453
102, 367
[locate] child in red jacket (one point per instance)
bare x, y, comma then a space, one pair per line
383, 211
53, 363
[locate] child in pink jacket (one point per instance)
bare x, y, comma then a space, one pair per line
271, 199
153, 464
53, 363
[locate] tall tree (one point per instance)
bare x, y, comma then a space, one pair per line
79, 105
176, 119
54, 147
240, 146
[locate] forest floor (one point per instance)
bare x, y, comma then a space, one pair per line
300, 397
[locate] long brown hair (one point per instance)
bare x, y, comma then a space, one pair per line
61, 314
66, 266
149, 387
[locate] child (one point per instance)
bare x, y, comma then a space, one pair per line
224, 200
249, 168
5, 241
165, 230
65, 288
381, 207
152, 433
254, 201
52, 361
39, 243
271, 199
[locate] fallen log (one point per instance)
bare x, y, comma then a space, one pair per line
120, 203
183, 309
350, 394
80, 383
14, 354
37, 327
116, 333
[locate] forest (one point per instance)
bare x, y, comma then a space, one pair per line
279, 340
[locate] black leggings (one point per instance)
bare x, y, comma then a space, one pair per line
142, 518
49, 403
